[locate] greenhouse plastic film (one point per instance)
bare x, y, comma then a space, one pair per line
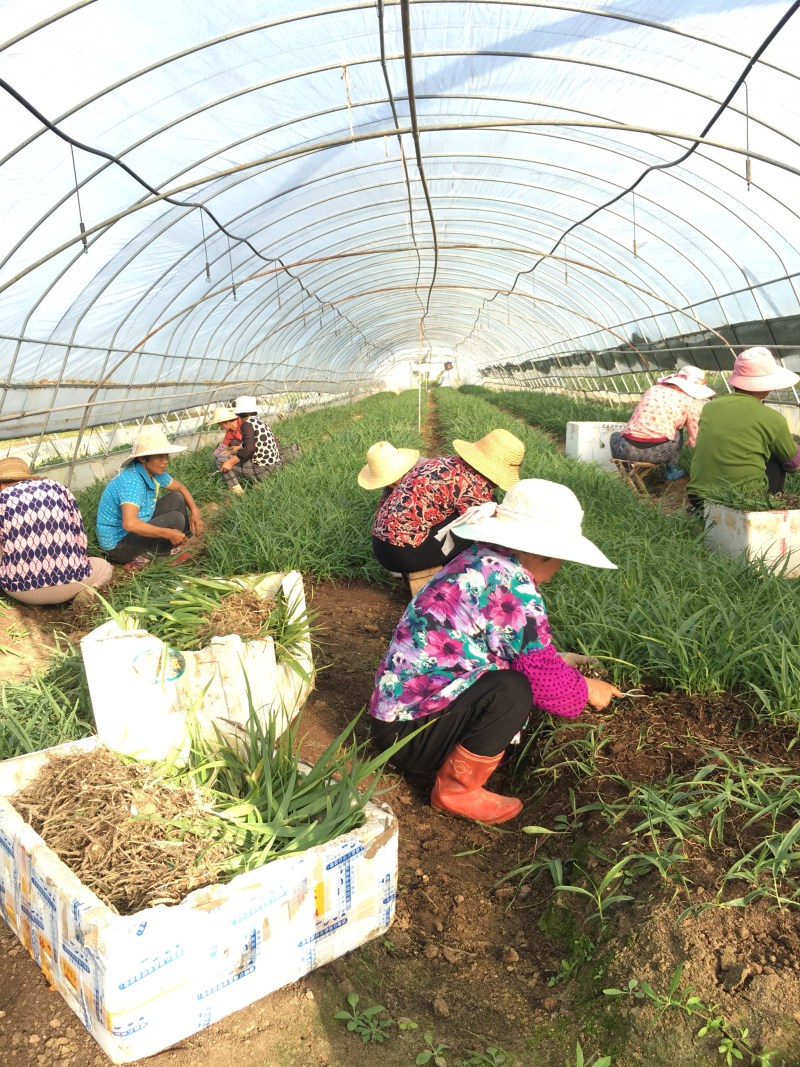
140, 983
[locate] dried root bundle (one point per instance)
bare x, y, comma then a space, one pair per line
109, 821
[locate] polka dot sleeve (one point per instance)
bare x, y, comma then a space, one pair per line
557, 688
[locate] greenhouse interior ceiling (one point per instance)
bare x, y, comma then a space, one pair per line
212, 198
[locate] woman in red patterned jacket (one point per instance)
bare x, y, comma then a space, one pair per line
423, 495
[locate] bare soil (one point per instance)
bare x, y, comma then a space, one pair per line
479, 963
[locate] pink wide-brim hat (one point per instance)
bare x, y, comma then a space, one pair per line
755, 371
691, 380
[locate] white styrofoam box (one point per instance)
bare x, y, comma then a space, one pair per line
143, 699
588, 441
773, 536
142, 982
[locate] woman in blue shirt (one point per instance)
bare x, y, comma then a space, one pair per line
144, 510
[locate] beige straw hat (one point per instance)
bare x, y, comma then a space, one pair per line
16, 470
386, 465
152, 441
497, 456
223, 415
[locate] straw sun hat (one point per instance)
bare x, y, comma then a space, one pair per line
497, 456
223, 414
16, 470
755, 371
690, 380
386, 465
152, 442
536, 516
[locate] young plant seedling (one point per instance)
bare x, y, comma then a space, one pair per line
368, 1024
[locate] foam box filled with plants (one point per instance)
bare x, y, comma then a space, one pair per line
199, 650
761, 527
160, 897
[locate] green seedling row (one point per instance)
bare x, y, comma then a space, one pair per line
674, 612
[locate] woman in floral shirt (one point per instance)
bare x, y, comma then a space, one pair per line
449, 661
423, 495
654, 433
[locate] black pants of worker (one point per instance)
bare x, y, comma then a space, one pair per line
776, 479
406, 560
483, 719
170, 514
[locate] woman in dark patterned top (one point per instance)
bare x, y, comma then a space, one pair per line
43, 547
422, 495
259, 454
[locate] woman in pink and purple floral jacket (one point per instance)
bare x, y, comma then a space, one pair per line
472, 653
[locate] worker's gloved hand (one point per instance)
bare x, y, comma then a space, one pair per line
575, 659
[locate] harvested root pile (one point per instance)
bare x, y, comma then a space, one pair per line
109, 821
246, 614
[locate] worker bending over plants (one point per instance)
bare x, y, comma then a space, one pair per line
256, 454
229, 421
654, 433
144, 510
744, 447
423, 495
472, 654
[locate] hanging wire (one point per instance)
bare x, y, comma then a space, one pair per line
84, 242
346, 80
633, 207
203, 208
205, 249
278, 288
230, 260
747, 171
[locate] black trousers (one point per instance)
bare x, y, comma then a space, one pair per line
405, 559
170, 514
483, 719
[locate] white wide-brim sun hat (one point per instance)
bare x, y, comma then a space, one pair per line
152, 442
536, 516
690, 380
243, 405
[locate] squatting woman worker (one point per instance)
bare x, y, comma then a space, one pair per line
423, 495
144, 510
472, 654
43, 546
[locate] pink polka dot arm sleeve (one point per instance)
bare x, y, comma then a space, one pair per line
556, 687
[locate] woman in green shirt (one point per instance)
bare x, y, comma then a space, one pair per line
741, 443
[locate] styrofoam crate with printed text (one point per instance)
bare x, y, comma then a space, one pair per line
144, 695
589, 442
140, 983
771, 536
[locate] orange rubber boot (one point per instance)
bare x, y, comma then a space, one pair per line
459, 789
